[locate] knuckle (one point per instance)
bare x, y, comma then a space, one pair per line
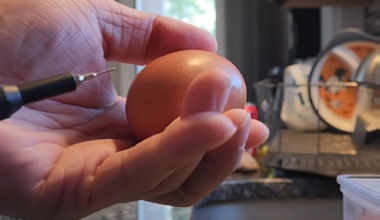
129, 171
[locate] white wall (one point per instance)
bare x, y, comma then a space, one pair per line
334, 19
221, 27
125, 73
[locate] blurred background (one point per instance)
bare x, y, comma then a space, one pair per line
258, 35
312, 69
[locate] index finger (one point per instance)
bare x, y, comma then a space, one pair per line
132, 172
136, 37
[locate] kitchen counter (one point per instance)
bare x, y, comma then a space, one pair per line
126, 211
238, 188
290, 186
242, 187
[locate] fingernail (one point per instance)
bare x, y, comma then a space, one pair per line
223, 122
262, 133
244, 118
222, 92
209, 92
243, 122
266, 131
242, 148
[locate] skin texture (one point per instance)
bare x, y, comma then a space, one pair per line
156, 95
67, 157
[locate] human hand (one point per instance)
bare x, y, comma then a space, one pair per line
72, 155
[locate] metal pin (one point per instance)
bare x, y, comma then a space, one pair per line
93, 75
81, 78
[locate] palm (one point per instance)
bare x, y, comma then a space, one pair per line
37, 135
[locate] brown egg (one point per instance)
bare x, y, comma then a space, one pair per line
155, 97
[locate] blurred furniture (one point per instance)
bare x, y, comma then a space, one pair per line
319, 3
256, 38
310, 209
288, 197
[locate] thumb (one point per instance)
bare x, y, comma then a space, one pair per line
135, 37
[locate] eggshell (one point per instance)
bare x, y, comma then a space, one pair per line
155, 97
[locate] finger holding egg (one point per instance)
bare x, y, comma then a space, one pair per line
203, 173
171, 92
214, 87
156, 96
